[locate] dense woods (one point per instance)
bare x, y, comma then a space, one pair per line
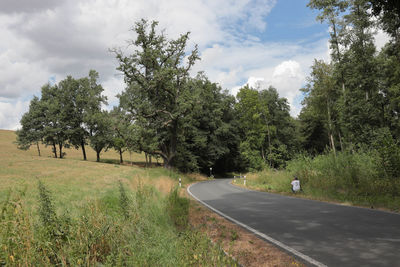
351, 104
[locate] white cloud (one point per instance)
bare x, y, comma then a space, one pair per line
11, 113
381, 38
50, 39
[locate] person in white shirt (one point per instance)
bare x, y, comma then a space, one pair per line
295, 185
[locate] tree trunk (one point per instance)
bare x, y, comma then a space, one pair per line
332, 142
120, 157
269, 146
60, 146
333, 145
340, 140
98, 155
83, 150
145, 155
38, 148
54, 149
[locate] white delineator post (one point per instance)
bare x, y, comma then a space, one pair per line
180, 182
244, 180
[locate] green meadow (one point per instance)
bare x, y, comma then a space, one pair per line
71, 212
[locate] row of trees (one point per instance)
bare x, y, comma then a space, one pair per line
67, 114
192, 124
354, 101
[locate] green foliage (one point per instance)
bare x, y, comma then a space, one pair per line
157, 95
389, 154
268, 131
348, 176
100, 234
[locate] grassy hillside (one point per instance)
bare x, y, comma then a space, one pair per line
89, 213
71, 179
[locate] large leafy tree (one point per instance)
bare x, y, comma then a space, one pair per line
100, 132
157, 95
208, 136
322, 95
253, 117
32, 126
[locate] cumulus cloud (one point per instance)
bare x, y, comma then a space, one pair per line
11, 113
48, 40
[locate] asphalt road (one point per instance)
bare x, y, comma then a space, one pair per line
317, 232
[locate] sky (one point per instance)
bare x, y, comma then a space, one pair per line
261, 43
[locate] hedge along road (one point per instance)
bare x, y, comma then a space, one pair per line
318, 233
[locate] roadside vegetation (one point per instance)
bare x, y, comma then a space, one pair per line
73, 212
354, 178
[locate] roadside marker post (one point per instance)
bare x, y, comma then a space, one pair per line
244, 181
180, 182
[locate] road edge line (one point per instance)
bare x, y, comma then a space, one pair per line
264, 236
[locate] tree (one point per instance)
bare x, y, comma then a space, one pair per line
281, 141
388, 13
32, 126
253, 117
120, 131
208, 135
84, 98
322, 94
100, 132
54, 123
157, 96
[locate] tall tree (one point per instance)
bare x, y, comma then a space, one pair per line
253, 117
32, 126
322, 94
157, 95
55, 127
100, 132
85, 99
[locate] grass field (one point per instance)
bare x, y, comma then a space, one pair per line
72, 179
74, 212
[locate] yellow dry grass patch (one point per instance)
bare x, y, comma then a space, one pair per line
71, 179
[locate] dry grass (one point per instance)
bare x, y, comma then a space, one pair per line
71, 179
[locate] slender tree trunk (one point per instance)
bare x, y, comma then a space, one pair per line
332, 142
340, 140
262, 152
120, 157
54, 149
333, 145
145, 155
98, 155
61, 153
269, 145
38, 148
83, 149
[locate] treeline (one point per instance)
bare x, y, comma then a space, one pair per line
351, 103
190, 123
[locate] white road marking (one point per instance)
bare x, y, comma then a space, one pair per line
270, 239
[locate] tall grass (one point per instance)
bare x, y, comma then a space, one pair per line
355, 177
123, 228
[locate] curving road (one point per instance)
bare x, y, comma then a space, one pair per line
319, 233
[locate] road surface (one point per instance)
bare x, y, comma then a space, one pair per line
319, 233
